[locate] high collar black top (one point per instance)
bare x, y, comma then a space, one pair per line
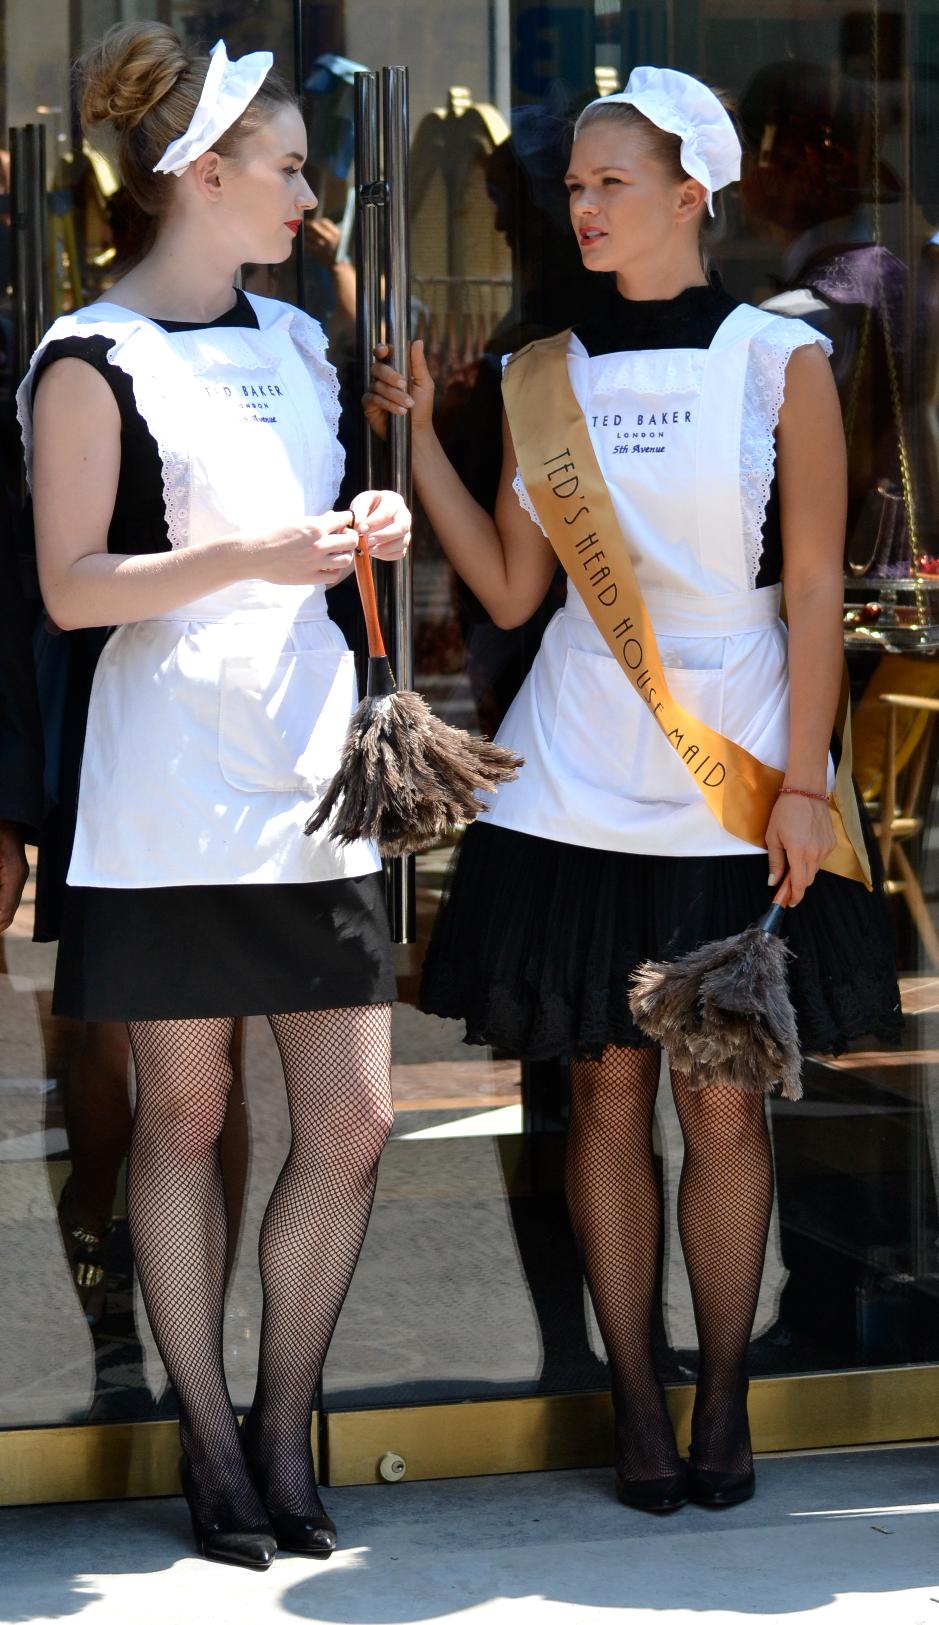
687, 322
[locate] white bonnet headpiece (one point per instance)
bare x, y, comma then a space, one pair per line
228, 89
710, 148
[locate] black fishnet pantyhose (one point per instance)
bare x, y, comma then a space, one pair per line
337, 1071
615, 1202
725, 1200
337, 1064
178, 1226
724, 1205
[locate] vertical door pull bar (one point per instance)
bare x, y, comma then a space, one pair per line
370, 192
30, 238
397, 578
383, 311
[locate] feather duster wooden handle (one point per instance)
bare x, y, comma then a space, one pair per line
772, 920
366, 586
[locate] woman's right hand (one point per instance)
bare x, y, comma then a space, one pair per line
317, 551
392, 393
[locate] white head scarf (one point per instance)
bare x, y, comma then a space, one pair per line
710, 149
228, 88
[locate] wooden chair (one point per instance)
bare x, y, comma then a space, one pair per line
901, 808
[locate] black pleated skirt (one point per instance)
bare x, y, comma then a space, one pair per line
194, 951
536, 942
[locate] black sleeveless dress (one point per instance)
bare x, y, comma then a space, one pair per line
536, 940
186, 951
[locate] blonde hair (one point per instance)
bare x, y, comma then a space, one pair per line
662, 145
665, 147
142, 82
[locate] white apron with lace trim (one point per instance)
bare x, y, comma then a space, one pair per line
212, 730
685, 442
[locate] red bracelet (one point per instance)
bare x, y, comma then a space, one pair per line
811, 795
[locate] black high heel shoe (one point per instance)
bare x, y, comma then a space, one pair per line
709, 1488
246, 1548
654, 1494
311, 1533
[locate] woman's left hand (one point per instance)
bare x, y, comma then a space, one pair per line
383, 522
799, 837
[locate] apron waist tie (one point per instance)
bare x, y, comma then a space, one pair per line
193, 615
700, 615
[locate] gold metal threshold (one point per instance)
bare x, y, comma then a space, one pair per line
575, 1430
112, 1461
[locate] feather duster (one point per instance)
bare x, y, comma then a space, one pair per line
723, 1011
405, 778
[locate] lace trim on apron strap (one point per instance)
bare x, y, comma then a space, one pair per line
525, 502
648, 372
310, 340
154, 403
764, 392
150, 398
206, 353
518, 484
24, 418
153, 395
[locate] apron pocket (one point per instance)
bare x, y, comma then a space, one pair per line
605, 736
283, 722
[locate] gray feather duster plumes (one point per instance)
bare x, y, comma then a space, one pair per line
406, 778
724, 1014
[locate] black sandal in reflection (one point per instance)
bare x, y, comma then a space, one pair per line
87, 1254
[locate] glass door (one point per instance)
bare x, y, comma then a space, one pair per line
85, 1410
469, 1289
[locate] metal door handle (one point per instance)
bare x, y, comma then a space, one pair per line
30, 238
383, 314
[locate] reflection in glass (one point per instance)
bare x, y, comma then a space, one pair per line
469, 1284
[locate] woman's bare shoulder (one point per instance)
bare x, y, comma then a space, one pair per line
75, 384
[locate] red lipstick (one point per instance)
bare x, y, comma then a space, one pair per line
293, 225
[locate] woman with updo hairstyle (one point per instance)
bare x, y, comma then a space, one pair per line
182, 450
682, 456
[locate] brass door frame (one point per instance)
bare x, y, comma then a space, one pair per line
115, 1461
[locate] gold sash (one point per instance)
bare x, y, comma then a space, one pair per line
563, 478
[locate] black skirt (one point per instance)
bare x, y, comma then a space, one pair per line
241, 950
536, 942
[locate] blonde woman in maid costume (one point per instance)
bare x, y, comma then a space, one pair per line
185, 467
717, 449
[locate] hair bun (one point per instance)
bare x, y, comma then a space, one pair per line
131, 69
142, 82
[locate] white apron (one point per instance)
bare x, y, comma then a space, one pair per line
685, 442
212, 730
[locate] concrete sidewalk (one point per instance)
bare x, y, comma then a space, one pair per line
850, 1537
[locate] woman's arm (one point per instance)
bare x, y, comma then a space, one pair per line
507, 562
76, 463
811, 468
